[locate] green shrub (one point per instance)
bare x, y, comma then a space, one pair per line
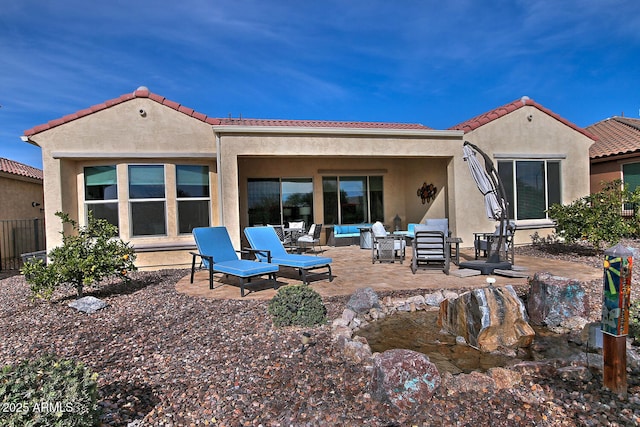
87, 255
634, 320
297, 305
597, 217
48, 392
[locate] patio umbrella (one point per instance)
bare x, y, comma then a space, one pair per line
484, 182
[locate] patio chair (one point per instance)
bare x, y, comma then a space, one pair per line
263, 241
430, 249
386, 247
485, 243
312, 237
292, 231
217, 254
279, 229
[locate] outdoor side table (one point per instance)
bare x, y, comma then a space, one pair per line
455, 257
365, 237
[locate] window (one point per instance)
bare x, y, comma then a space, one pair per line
101, 192
193, 197
147, 200
297, 200
631, 175
276, 201
352, 199
531, 187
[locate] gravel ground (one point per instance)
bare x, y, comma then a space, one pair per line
164, 358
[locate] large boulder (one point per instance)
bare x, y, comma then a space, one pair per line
404, 378
553, 299
489, 319
363, 300
88, 304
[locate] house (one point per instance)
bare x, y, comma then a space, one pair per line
157, 169
21, 212
539, 157
616, 153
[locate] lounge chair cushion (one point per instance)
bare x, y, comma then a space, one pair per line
264, 238
244, 268
441, 224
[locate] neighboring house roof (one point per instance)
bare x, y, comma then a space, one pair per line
143, 92
19, 169
483, 119
616, 135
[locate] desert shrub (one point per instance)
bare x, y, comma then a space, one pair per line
596, 218
48, 391
634, 320
297, 305
88, 254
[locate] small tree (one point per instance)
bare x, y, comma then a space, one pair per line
87, 255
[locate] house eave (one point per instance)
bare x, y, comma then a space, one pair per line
293, 130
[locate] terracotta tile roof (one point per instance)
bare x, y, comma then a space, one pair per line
483, 119
15, 168
143, 92
616, 135
320, 124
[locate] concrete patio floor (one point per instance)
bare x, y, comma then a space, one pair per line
352, 269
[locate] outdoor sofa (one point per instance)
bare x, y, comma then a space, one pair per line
346, 234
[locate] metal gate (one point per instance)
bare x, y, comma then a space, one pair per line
20, 236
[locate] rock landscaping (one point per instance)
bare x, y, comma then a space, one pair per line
167, 359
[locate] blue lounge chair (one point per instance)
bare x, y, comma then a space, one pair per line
263, 240
217, 254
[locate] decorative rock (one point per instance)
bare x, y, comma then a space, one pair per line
449, 295
339, 322
433, 299
348, 315
342, 331
553, 299
363, 300
574, 323
404, 378
418, 300
536, 368
88, 304
471, 382
489, 319
357, 351
504, 378
575, 373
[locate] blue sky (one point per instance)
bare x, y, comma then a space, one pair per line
425, 61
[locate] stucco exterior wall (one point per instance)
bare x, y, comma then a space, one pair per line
142, 131
121, 135
17, 195
525, 132
604, 172
401, 179
409, 160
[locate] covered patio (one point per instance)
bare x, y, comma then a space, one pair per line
353, 269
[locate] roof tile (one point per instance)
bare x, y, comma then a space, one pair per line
20, 169
143, 92
489, 116
319, 124
616, 135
